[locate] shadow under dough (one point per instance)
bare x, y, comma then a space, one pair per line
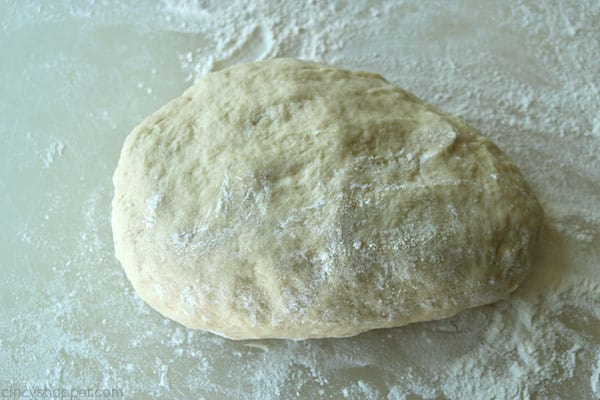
549, 263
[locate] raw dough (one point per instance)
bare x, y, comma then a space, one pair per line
292, 199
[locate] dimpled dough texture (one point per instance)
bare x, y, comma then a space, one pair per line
291, 199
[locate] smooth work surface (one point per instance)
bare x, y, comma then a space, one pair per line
76, 77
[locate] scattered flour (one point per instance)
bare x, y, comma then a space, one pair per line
524, 74
56, 149
595, 378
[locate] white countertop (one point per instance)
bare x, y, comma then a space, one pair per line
75, 77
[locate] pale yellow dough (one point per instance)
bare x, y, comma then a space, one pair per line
291, 199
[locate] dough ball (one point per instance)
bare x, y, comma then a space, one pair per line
291, 199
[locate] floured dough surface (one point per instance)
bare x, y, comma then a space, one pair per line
298, 200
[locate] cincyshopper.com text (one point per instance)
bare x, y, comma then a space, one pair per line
45, 392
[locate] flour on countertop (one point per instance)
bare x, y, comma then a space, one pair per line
524, 74
56, 149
